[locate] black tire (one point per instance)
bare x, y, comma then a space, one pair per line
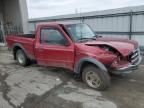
100, 80
24, 60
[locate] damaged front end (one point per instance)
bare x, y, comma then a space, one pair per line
123, 64
127, 64
119, 59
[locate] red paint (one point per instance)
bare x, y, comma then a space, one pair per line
68, 56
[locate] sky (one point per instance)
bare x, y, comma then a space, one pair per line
46, 8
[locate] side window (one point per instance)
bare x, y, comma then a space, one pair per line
52, 36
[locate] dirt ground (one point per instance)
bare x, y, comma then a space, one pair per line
40, 87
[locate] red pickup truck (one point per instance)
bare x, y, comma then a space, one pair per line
76, 47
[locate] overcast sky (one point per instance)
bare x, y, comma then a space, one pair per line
45, 8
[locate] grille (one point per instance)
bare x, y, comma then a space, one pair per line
134, 57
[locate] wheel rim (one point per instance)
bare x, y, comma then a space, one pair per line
93, 79
21, 58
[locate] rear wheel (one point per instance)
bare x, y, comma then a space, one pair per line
22, 58
95, 78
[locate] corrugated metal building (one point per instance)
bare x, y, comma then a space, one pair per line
122, 22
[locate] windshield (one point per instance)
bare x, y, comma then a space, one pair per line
80, 31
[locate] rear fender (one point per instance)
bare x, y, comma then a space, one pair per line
18, 45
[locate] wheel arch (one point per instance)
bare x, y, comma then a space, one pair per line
84, 61
16, 47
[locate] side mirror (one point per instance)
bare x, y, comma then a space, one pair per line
99, 36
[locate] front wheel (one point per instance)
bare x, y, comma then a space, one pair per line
95, 78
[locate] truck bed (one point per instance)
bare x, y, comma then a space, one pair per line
27, 42
26, 35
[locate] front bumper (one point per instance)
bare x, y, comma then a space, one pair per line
127, 69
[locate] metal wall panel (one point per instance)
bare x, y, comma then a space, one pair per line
69, 21
138, 23
31, 27
111, 24
139, 38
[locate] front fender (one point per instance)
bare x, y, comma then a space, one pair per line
77, 68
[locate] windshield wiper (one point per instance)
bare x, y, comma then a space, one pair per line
83, 39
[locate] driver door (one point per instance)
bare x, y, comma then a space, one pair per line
54, 49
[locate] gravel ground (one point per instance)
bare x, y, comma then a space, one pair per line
41, 87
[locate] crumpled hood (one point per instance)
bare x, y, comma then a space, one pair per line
124, 46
